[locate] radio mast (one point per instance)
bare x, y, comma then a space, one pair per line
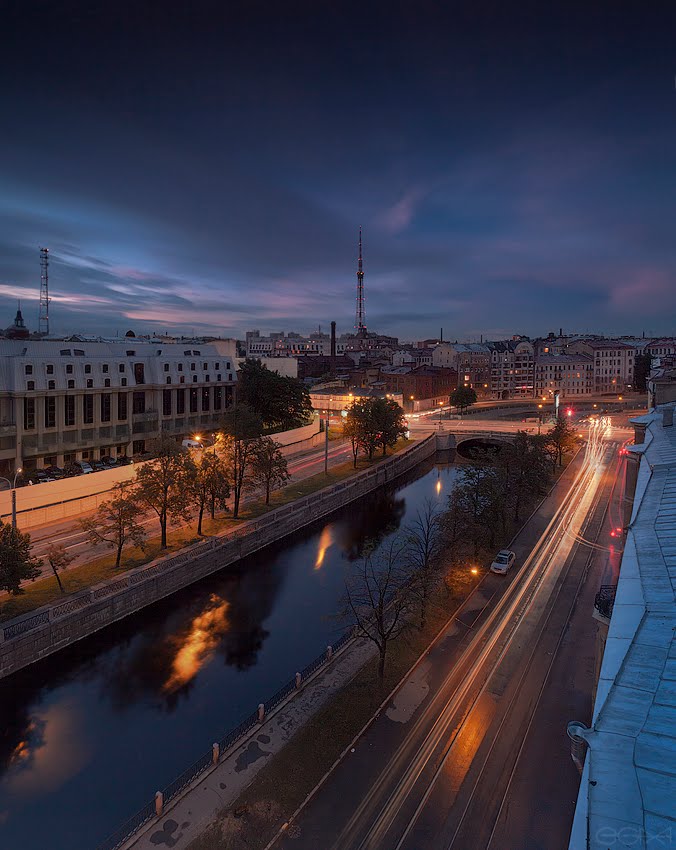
43, 319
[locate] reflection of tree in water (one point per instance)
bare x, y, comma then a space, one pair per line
20, 734
377, 516
163, 665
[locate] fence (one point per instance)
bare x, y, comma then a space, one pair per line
217, 753
31, 637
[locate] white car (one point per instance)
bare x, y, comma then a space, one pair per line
503, 561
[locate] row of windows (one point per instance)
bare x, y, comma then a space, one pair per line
139, 370
51, 385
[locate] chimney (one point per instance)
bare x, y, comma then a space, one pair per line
333, 346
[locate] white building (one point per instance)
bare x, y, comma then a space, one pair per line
62, 401
571, 375
613, 363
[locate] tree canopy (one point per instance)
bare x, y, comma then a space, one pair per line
463, 397
16, 562
280, 402
373, 422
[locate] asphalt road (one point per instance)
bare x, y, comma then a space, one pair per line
465, 755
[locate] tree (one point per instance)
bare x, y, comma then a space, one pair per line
642, 366
379, 598
269, 468
389, 420
16, 562
115, 522
241, 429
362, 428
562, 438
162, 483
58, 559
209, 484
462, 398
424, 549
278, 401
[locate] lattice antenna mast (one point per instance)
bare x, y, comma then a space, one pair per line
43, 320
360, 323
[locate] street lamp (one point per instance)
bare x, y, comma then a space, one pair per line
12, 488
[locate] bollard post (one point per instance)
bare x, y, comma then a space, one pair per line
329, 653
298, 679
261, 712
159, 803
215, 753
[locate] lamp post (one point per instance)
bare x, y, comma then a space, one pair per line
12, 488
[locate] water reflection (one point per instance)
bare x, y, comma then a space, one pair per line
325, 540
196, 647
376, 517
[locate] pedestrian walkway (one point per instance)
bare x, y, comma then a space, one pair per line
188, 815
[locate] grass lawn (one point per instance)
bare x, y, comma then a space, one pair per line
45, 590
287, 779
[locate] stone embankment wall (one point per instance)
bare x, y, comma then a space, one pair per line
46, 630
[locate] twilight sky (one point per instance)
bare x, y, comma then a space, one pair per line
206, 165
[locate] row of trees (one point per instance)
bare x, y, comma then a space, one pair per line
373, 423
390, 588
177, 485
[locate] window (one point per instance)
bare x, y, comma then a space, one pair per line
69, 369
50, 369
217, 365
28, 370
78, 352
187, 353
90, 383
180, 401
50, 412
139, 373
121, 367
218, 398
105, 407
180, 367
194, 379
104, 368
30, 385
227, 365
106, 382
138, 403
166, 402
193, 401
168, 379
196, 353
122, 406
69, 410
131, 354
88, 368
205, 399
88, 409
51, 385
205, 366
218, 377
65, 352
182, 381
29, 414
123, 382
192, 367
71, 385
206, 379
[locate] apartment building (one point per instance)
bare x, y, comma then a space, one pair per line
62, 401
512, 368
472, 362
571, 375
613, 363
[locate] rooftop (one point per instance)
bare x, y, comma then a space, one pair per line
628, 787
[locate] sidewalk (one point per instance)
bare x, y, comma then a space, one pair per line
185, 818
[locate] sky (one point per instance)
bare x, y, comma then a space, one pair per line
204, 167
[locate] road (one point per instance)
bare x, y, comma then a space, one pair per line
437, 769
69, 534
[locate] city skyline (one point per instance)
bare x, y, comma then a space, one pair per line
189, 173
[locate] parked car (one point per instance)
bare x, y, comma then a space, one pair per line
85, 466
503, 561
98, 465
37, 476
78, 467
108, 461
54, 472
123, 460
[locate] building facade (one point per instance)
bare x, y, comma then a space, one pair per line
571, 375
512, 369
63, 401
613, 363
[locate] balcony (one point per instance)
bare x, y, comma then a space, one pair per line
8, 429
604, 602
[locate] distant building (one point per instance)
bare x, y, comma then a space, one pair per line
332, 403
18, 329
569, 375
613, 363
422, 384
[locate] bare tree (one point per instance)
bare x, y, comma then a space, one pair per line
115, 523
241, 430
424, 539
268, 466
208, 482
379, 598
162, 483
58, 559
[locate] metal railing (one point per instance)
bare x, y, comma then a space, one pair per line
605, 600
207, 760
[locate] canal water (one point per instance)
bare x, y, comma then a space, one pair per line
88, 736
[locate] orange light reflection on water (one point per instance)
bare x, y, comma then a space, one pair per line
325, 540
197, 648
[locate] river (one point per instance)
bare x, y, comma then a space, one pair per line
88, 735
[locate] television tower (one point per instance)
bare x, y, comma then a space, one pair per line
360, 324
43, 319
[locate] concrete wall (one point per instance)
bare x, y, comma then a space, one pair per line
46, 630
